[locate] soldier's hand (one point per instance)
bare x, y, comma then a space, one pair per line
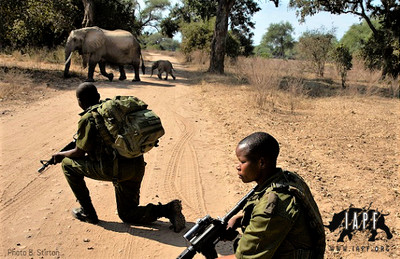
57, 158
235, 221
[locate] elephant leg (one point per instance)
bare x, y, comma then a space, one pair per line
91, 68
159, 74
166, 75
122, 75
102, 66
172, 75
136, 69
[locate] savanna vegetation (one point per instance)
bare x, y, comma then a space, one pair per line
218, 36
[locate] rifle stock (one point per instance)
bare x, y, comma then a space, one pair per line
46, 163
209, 231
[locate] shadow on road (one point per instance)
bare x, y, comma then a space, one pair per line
160, 232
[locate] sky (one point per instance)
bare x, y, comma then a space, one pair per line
270, 14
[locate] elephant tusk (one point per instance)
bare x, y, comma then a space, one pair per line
68, 59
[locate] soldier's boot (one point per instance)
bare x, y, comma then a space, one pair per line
173, 211
86, 213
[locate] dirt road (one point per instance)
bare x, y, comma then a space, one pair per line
352, 158
35, 208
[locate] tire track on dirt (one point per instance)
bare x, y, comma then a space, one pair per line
29, 192
182, 174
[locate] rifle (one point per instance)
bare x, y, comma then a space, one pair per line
209, 231
46, 163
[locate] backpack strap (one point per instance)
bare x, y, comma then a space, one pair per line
101, 127
109, 141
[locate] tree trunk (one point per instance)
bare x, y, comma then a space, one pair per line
217, 55
88, 16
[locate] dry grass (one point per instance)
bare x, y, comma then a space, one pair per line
268, 77
26, 75
14, 82
287, 83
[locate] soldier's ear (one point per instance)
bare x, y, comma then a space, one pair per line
261, 163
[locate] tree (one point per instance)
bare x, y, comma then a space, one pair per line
238, 12
383, 50
218, 42
342, 58
88, 15
241, 25
151, 15
278, 39
217, 55
196, 36
356, 37
37, 22
315, 46
129, 15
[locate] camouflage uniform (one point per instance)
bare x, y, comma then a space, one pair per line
276, 223
99, 165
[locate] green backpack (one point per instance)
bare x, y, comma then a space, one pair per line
127, 126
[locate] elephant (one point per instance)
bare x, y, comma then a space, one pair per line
100, 46
162, 66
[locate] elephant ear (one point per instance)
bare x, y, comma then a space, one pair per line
94, 40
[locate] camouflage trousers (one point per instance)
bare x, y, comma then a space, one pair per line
127, 187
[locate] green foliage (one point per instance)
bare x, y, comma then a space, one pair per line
357, 36
342, 58
37, 22
315, 46
169, 26
128, 15
197, 36
278, 40
382, 50
246, 47
159, 42
198, 11
240, 16
383, 53
262, 51
114, 14
233, 48
201, 10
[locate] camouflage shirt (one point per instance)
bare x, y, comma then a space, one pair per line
275, 224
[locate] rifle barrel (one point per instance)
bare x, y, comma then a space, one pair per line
238, 206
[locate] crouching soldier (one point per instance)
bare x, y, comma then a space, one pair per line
88, 159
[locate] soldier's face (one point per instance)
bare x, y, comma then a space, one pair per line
248, 170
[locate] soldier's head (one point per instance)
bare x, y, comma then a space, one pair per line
257, 154
87, 95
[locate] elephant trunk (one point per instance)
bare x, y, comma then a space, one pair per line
68, 55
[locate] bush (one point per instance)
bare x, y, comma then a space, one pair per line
196, 36
342, 58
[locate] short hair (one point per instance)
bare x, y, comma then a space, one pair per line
87, 92
261, 144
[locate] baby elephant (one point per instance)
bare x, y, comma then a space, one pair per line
162, 66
